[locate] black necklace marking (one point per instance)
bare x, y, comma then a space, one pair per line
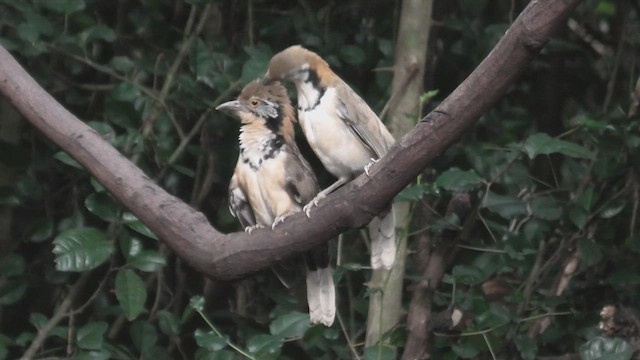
312, 77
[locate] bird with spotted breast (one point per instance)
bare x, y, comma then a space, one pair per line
272, 181
342, 130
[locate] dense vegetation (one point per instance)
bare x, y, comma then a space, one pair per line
551, 173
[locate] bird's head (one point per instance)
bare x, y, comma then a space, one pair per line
293, 63
258, 100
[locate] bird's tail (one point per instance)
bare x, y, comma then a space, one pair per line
321, 296
382, 230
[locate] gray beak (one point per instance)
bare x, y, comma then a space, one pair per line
230, 107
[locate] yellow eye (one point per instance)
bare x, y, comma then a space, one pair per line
254, 102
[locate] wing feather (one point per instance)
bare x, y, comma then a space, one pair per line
239, 205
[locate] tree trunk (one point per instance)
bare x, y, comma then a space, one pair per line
385, 306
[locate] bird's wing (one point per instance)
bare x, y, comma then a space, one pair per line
363, 121
239, 204
300, 181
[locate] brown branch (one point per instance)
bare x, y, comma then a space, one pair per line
226, 256
432, 267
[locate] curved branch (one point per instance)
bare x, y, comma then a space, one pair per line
225, 256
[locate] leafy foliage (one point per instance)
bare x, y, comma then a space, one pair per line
552, 170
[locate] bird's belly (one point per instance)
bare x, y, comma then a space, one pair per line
266, 191
338, 148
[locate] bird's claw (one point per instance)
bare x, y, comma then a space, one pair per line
251, 228
368, 166
311, 204
279, 220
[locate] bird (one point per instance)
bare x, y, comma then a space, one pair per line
342, 130
272, 180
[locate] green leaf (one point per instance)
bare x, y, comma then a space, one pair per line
209, 340
508, 207
91, 336
144, 335
63, 6
497, 315
426, 97
578, 217
455, 179
613, 209
64, 158
41, 229
101, 354
264, 345
197, 303
543, 144
468, 275
257, 63
527, 346
103, 206
12, 265
601, 348
465, 349
136, 225
148, 260
204, 354
169, 323
81, 249
292, 324
122, 64
97, 32
590, 252
125, 91
12, 290
377, 352
201, 59
352, 55
131, 293
546, 207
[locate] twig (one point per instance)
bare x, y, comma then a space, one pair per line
60, 313
616, 65
346, 336
635, 100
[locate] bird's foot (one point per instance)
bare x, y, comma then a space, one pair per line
280, 220
366, 167
312, 203
251, 228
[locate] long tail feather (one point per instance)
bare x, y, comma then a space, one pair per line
321, 296
382, 230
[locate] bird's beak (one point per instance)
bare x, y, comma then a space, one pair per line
229, 107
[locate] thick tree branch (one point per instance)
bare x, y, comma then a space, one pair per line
226, 256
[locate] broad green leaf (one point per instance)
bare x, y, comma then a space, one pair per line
38, 320
201, 59
122, 64
41, 230
101, 354
129, 245
81, 249
91, 336
546, 207
543, 144
204, 354
264, 345
169, 323
257, 63
508, 207
148, 260
209, 340
131, 293
105, 130
125, 91
352, 55
527, 347
578, 217
12, 290
602, 348
590, 252
468, 275
293, 324
103, 206
143, 334
64, 158
497, 315
376, 352
97, 32
136, 225
426, 97
63, 6
12, 265
613, 209
465, 349
455, 179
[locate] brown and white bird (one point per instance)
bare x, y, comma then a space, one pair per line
342, 130
272, 181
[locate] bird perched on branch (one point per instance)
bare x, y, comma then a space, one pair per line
342, 130
272, 181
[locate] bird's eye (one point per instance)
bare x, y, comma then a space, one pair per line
254, 102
